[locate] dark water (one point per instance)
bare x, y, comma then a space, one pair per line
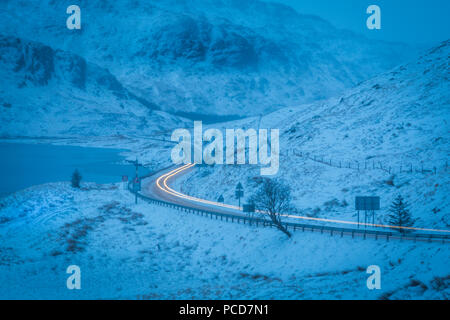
25, 165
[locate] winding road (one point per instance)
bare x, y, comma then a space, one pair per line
158, 187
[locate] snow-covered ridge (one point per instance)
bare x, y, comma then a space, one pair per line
52, 92
402, 114
212, 57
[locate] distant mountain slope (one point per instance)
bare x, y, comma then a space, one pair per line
47, 92
401, 115
397, 120
210, 56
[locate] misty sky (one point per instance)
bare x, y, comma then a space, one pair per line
412, 21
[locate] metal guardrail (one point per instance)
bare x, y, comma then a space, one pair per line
260, 222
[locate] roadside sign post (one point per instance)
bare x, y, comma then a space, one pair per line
368, 205
239, 193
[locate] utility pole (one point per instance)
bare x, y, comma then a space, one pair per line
136, 181
136, 163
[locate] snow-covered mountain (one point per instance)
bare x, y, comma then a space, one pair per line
399, 116
209, 56
387, 126
47, 92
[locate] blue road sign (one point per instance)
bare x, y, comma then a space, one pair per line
367, 203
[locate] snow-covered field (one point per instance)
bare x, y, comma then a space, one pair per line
129, 251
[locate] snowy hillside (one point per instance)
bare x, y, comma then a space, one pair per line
128, 251
47, 92
207, 56
387, 126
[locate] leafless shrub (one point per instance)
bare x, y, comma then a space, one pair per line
440, 283
274, 198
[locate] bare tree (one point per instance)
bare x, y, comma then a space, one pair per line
76, 179
274, 198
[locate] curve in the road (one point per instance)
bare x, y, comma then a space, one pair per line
162, 183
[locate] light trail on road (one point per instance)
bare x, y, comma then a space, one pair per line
162, 184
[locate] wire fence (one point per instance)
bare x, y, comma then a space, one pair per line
369, 164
